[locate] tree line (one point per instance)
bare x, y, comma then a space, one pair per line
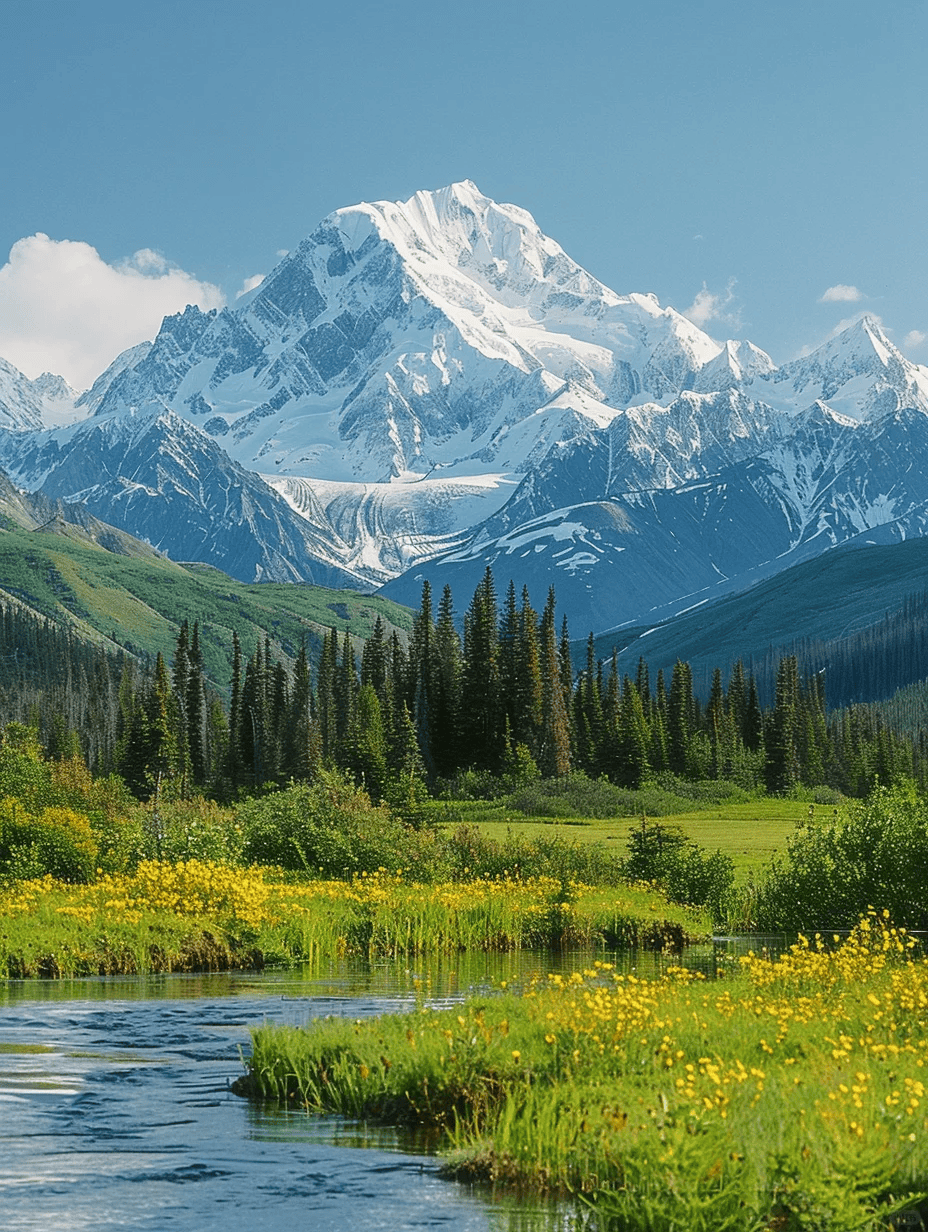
501, 698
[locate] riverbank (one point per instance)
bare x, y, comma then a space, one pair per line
197, 915
788, 1095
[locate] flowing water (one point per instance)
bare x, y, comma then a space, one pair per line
115, 1108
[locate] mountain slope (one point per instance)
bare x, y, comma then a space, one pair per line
160, 478
137, 601
822, 481
838, 594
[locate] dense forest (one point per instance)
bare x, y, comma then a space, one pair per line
501, 703
872, 662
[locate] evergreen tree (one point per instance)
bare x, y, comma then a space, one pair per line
588, 715
421, 675
782, 766
753, 728
680, 716
529, 693
233, 773
508, 656
446, 674
299, 761
253, 728
375, 660
326, 696
195, 695
634, 739
180, 676
365, 745
346, 690
554, 748
643, 685
481, 710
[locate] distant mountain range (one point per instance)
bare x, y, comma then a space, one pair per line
424, 388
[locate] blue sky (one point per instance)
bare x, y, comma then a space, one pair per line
739, 160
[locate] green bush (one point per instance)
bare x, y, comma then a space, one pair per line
194, 829
577, 795
24, 775
328, 826
58, 841
685, 871
874, 855
466, 851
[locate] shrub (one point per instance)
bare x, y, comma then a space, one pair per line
470, 785
877, 853
577, 795
328, 826
467, 852
58, 841
686, 872
194, 829
24, 775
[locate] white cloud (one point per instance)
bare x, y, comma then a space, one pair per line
714, 306
283, 252
914, 338
63, 309
841, 294
249, 285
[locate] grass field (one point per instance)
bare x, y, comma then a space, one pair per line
200, 915
750, 833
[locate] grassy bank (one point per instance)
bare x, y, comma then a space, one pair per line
197, 915
789, 1096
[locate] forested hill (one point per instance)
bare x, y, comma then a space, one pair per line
136, 602
857, 613
500, 705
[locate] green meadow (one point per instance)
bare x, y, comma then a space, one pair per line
750, 833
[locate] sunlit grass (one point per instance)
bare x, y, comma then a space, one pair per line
197, 915
791, 1095
750, 833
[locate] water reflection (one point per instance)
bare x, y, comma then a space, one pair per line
435, 977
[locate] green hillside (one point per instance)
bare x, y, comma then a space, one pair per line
137, 598
833, 597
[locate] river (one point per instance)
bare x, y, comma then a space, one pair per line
115, 1108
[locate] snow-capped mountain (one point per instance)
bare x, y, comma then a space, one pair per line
645, 553
859, 373
156, 476
26, 404
443, 334
424, 387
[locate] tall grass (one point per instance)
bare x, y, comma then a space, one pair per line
791, 1095
202, 915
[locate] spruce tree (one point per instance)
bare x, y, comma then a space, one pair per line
782, 765
446, 673
680, 716
233, 773
481, 710
195, 696
529, 693
554, 748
